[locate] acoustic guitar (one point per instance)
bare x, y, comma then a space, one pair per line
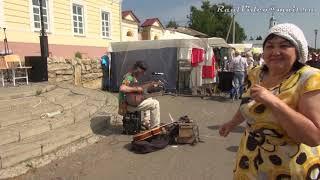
149, 133
150, 89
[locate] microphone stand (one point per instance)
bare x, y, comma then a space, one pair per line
6, 49
5, 42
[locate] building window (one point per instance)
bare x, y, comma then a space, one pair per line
156, 37
1, 14
130, 34
36, 14
105, 20
78, 19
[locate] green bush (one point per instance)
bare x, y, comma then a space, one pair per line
78, 55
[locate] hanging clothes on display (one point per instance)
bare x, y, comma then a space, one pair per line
208, 70
196, 77
197, 56
184, 54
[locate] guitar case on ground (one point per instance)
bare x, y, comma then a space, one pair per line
185, 131
150, 145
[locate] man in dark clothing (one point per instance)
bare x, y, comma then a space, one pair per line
314, 62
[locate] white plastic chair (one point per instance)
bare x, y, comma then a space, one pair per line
13, 63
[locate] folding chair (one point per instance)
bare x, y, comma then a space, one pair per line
13, 63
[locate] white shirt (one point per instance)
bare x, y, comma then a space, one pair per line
239, 64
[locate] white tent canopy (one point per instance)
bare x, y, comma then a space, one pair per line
203, 43
242, 47
218, 42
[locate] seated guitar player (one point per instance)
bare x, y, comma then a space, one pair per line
126, 87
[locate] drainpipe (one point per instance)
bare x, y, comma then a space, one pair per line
43, 40
120, 18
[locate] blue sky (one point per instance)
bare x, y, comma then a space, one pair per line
254, 23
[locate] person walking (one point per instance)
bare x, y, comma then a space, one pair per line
239, 67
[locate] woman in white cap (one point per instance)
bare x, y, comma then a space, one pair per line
281, 110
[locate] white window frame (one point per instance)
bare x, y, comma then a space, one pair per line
84, 17
101, 20
1, 14
49, 9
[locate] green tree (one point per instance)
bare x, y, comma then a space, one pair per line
172, 24
215, 23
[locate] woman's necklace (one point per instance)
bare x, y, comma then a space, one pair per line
276, 85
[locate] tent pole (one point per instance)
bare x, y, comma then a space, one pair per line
178, 77
234, 30
231, 23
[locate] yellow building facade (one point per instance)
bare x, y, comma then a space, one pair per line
85, 26
152, 29
130, 26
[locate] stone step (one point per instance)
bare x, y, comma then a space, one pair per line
84, 114
26, 129
63, 104
87, 92
17, 104
20, 117
10, 93
19, 131
26, 103
35, 146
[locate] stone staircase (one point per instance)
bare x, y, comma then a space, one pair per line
33, 127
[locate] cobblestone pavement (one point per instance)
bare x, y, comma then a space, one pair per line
111, 159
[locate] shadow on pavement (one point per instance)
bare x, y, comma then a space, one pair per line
127, 146
218, 98
102, 125
237, 129
232, 148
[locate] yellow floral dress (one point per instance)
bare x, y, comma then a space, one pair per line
265, 150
